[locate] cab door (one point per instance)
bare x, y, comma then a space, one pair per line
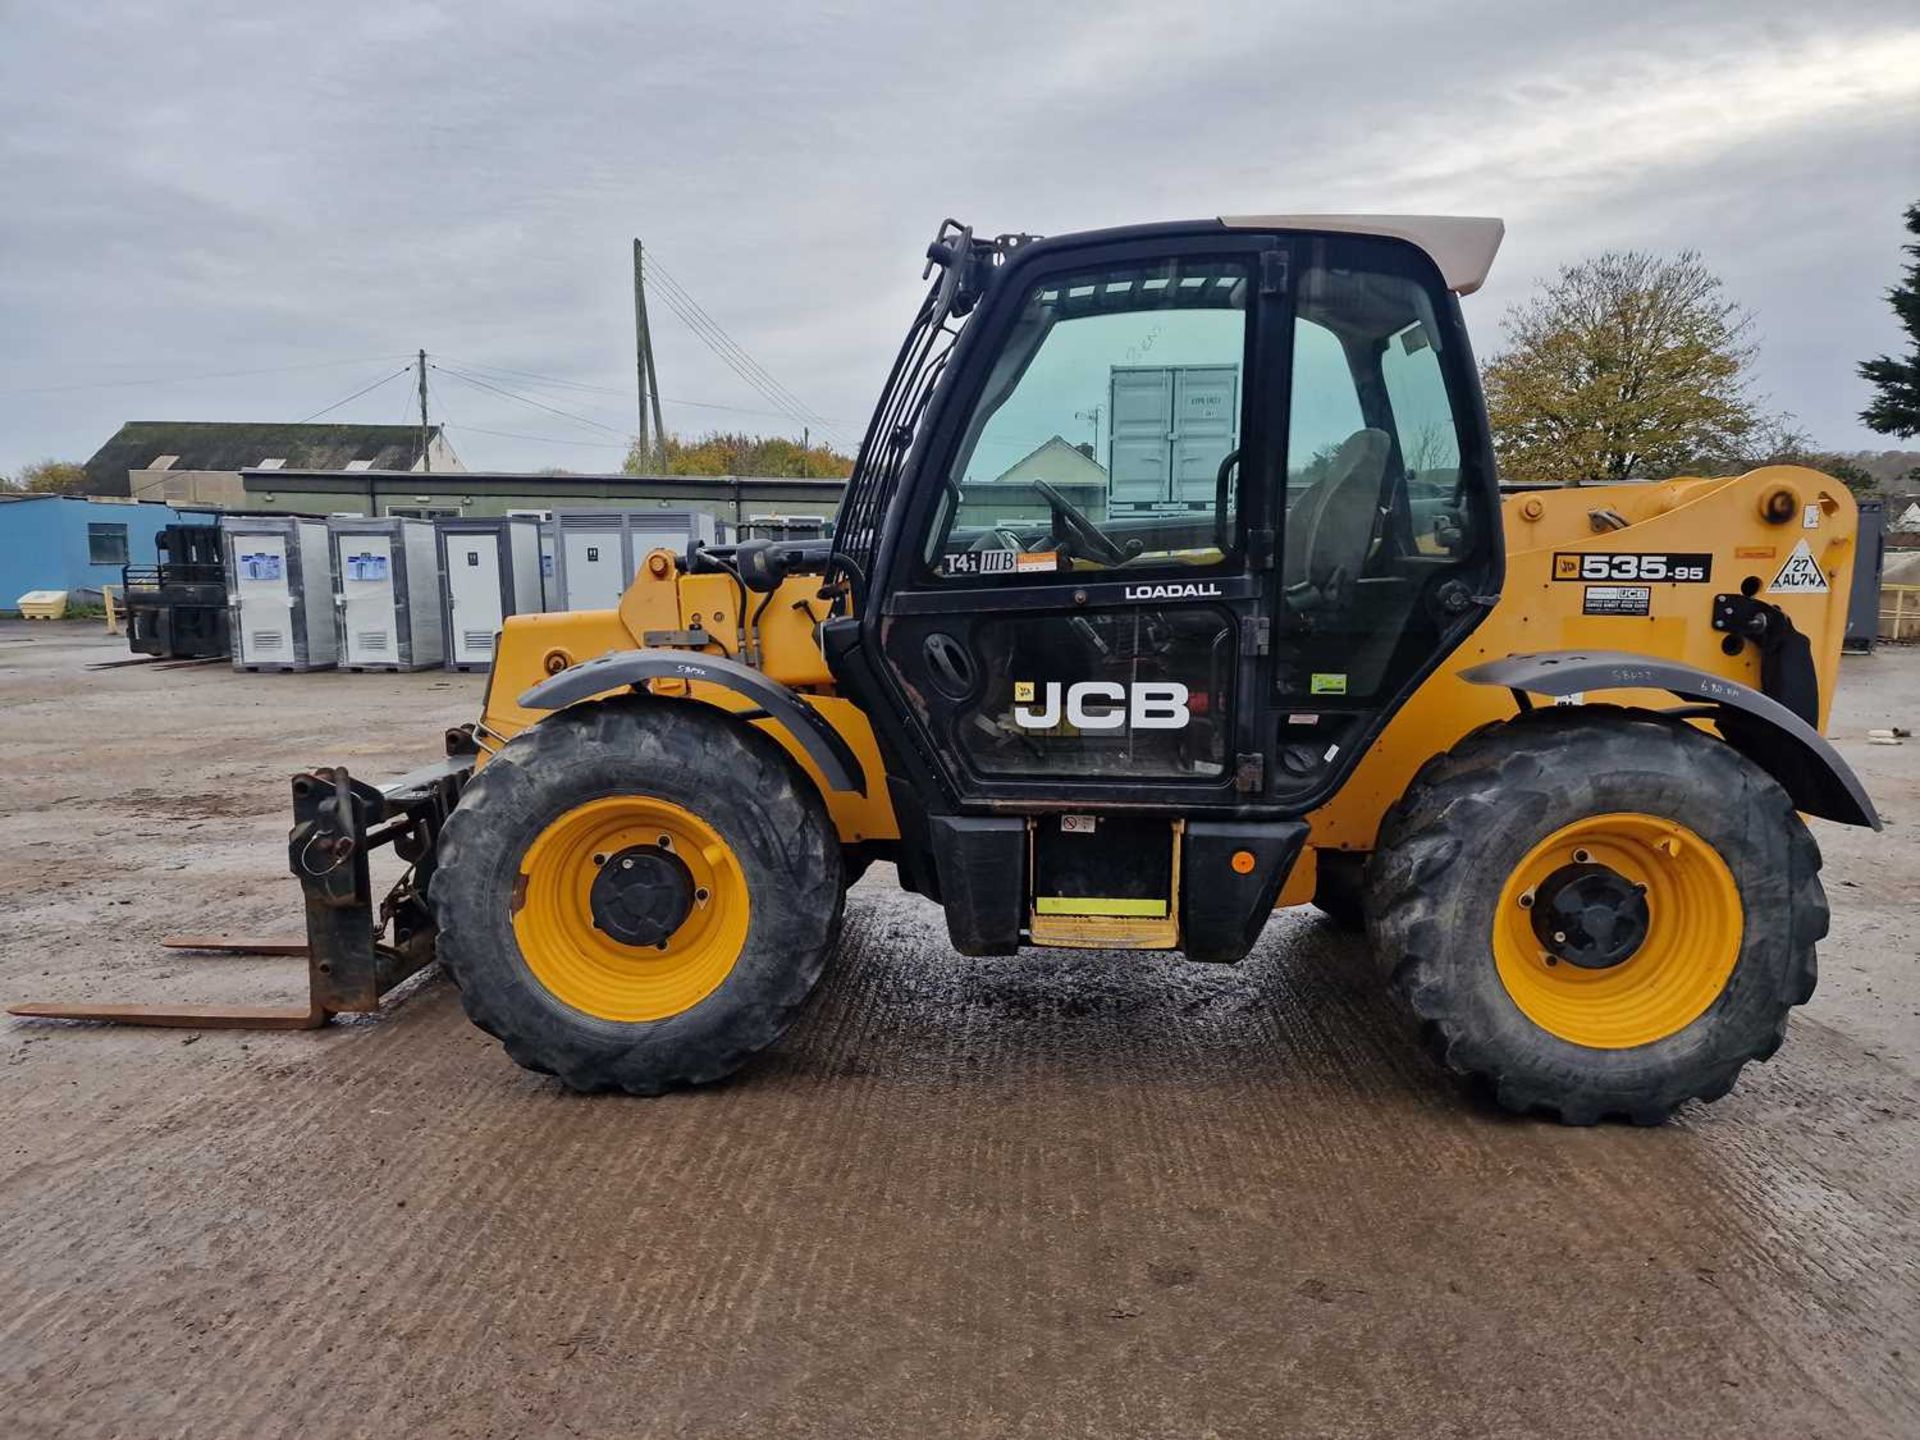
1077, 607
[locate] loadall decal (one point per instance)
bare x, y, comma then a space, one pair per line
1685, 567
1102, 705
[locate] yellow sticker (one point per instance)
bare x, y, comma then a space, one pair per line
1023, 692
1329, 684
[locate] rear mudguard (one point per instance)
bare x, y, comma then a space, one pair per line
1810, 770
785, 707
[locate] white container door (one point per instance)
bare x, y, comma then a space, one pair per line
1206, 428
596, 578
366, 599
266, 602
473, 591
1142, 427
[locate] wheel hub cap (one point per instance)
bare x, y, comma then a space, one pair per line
1590, 915
642, 895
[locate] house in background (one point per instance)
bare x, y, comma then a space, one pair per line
199, 462
1011, 499
58, 542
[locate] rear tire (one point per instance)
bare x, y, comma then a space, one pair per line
544, 977
1734, 909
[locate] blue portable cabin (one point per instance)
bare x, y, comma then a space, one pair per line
64, 542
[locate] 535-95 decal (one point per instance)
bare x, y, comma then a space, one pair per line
1684, 568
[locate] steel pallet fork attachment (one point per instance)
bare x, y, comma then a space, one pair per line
353, 957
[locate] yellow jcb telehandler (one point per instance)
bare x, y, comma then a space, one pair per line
1268, 631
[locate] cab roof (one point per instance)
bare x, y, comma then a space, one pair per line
1462, 246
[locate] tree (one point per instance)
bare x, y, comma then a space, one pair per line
727, 453
1895, 409
52, 477
1628, 365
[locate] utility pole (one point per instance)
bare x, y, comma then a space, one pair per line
426, 431
806, 447
652, 440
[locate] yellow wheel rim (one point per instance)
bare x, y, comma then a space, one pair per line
582, 965
1694, 925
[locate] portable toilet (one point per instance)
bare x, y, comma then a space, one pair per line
489, 569
598, 552
386, 593
279, 573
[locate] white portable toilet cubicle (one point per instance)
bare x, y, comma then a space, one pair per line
549, 584
279, 592
489, 569
386, 593
598, 552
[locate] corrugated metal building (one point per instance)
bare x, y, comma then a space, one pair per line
57, 542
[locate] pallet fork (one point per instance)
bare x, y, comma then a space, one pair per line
353, 955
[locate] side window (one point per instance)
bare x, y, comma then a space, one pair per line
1377, 517
106, 544
1108, 430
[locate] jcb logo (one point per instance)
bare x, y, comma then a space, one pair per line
1102, 705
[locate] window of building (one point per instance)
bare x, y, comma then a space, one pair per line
106, 544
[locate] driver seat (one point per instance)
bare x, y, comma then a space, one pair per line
1330, 528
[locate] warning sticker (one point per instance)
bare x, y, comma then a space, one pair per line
979, 562
1617, 600
1030, 562
1801, 575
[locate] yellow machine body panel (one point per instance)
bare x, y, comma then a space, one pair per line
1751, 525
1540, 609
663, 608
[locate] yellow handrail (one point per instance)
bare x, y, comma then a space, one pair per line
1899, 615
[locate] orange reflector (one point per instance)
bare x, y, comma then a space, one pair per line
1243, 862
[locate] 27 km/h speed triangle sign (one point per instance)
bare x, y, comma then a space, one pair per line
1801, 575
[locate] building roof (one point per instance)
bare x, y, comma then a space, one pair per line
224, 445
1080, 467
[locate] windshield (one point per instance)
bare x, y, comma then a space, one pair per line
1106, 434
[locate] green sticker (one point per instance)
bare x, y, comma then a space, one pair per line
1329, 685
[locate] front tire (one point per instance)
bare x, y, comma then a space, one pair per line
637, 894
1597, 912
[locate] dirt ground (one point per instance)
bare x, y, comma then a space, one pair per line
1056, 1195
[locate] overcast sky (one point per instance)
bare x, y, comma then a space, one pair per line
311, 192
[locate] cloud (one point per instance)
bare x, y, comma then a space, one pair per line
269, 185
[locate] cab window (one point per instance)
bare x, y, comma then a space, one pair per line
1107, 435
1379, 514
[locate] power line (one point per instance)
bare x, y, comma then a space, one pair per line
366, 390
524, 400
185, 379
742, 364
559, 382
544, 439
716, 338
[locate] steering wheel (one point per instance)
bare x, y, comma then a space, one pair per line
1222, 493
1069, 517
